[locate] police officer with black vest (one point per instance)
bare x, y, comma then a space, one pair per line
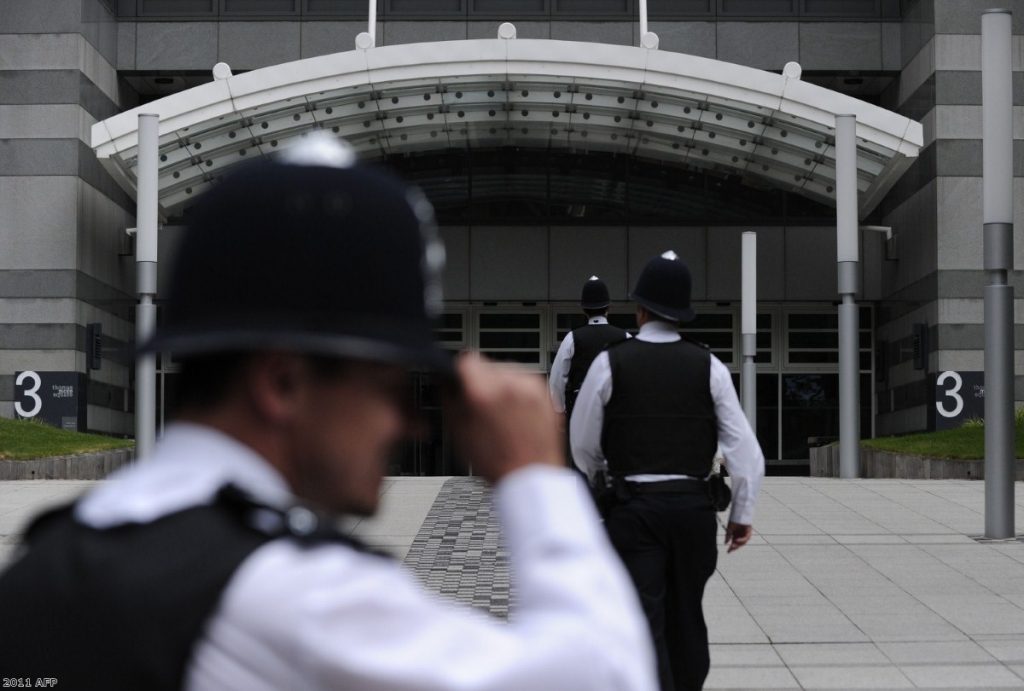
301, 299
580, 346
649, 414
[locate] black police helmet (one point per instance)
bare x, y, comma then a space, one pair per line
595, 294
664, 288
308, 251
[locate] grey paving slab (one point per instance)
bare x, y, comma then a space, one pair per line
848, 584
851, 677
962, 676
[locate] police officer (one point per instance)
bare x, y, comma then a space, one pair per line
580, 346
300, 300
650, 413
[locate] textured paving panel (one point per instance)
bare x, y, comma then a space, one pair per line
458, 551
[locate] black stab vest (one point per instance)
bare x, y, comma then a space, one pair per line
660, 418
123, 607
588, 341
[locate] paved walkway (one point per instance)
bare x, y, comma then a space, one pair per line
847, 584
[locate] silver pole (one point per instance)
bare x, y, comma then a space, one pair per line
748, 329
147, 174
848, 256
997, 168
643, 18
372, 30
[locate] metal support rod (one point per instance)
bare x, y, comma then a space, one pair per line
643, 18
848, 256
748, 308
372, 28
146, 218
997, 170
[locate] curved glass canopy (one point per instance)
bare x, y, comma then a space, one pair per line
762, 128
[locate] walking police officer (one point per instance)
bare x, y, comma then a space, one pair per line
580, 346
650, 413
300, 300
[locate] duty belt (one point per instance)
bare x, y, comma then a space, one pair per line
678, 486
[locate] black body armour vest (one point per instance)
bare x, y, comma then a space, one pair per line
660, 418
588, 341
123, 607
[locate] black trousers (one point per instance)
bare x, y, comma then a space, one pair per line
667, 543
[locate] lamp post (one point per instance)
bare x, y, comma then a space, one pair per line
848, 256
997, 169
147, 176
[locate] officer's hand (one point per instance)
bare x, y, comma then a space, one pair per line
504, 420
737, 535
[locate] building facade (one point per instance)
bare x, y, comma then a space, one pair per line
524, 226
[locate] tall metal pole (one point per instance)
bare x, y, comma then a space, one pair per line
848, 256
147, 174
997, 167
643, 18
748, 308
372, 29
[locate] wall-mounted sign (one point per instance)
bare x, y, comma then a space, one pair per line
959, 396
56, 398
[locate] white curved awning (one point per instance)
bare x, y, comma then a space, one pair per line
769, 128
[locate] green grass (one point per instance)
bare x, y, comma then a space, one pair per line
25, 439
967, 442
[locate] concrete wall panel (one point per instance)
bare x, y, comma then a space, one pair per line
397, 32
693, 38
37, 222
456, 269
811, 263
959, 227
765, 45
840, 46
176, 45
508, 263
578, 253
251, 45
40, 16
489, 29
325, 38
689, 243
621, 33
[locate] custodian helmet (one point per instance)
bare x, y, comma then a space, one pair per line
307, 251
595, 294
664, 288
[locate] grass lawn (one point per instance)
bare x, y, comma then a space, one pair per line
963, 442
25, 439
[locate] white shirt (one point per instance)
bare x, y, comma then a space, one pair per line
331, 617
559, 375
737, 442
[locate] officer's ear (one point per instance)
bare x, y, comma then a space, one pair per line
275, 384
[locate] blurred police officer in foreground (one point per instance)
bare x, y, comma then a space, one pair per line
301, 298
650, 413
580, 346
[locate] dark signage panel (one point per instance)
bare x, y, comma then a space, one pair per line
959, 396
56, 398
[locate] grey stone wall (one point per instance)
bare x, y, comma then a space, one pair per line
935, 211
246, 45
62, 218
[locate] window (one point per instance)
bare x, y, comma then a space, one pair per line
812, 338
716, 331
511, 336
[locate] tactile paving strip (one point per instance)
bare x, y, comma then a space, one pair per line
458, 551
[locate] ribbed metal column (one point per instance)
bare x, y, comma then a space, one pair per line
848, 256
146, 219
997, 123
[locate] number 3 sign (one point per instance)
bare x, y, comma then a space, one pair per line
959, 396
56, 398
